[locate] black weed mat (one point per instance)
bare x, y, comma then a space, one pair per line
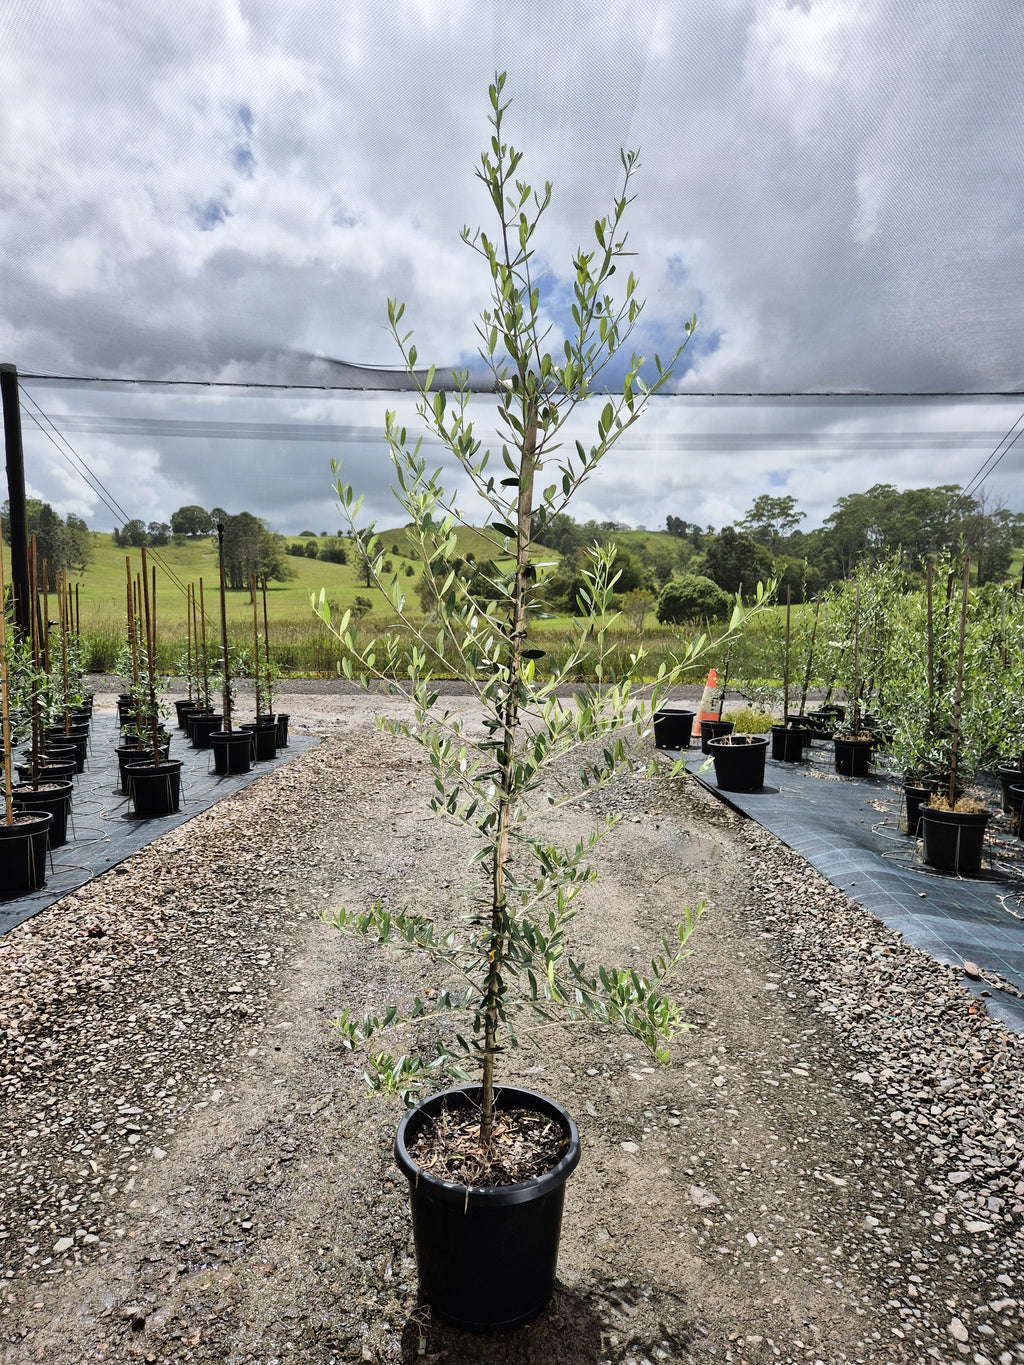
850, 829
102, 831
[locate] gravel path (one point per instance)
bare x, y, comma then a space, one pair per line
192, 1171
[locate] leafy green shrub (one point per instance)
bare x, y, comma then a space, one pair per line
692, 597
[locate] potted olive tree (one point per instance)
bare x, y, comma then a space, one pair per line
498, 1226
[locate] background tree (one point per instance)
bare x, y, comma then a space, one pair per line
690, 598
251, 547
192, 521
733, 560
771, 521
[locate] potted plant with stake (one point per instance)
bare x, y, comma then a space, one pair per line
487, 1234
23, 834
232, 749
154, 782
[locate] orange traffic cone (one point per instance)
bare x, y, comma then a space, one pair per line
705, 712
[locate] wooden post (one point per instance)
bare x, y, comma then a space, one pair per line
17, 523
5, 704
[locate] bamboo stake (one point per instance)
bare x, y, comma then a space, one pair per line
785, 660
206, 667
224, 632
725, 683
856, 663
62, 612
154, 720
132, 633
36, 698
266, 648
954, 752
188, 637
46, 617
4, 699
255, 644
810, 656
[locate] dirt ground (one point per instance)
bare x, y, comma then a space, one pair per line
192, 1169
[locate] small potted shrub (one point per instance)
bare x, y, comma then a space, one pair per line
486, 1235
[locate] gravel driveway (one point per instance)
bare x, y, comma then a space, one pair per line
192, 1171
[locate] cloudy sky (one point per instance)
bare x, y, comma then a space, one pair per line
230, 190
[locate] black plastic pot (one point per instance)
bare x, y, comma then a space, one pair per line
23, 853
52, 796
803, 724
789, 743
50, 770
154, 789
136, 753
915, 798
1017, 810
739, 767
953, 840
713, 729
202, 727
181, 707
486, 1256
673, 728
1008, 775
78, 736
232, 751
264, 737
853, 756
190, 716
282, 729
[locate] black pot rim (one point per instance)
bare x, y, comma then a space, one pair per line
725, 744
955, 817
225, 736
147, 766
26, 823
496, 1196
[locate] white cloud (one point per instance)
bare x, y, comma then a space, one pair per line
218, 188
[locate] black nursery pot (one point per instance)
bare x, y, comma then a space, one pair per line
486, 1256
788, 743
232, 751
202, 726
739, 767
915, 798
953, 840
182, 706
853, 756
52, 796
1017, 809
713, 729
264, 737
1008, 776
673, 728
282, 729
154, 789
23, 848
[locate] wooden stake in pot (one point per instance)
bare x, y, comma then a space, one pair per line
810, 657
226, 698
954, 750
255, 645
785, 660
5, 702
266, 651
154, 719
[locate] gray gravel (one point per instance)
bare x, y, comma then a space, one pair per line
192, 1171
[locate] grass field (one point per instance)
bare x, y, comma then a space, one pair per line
301, 645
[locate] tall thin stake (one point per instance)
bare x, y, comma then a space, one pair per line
954, 750
255, 644
4, 699
785, 660
224, 632
154, 720
810, 657
266, 650
188, 637
206, 664
37, 701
